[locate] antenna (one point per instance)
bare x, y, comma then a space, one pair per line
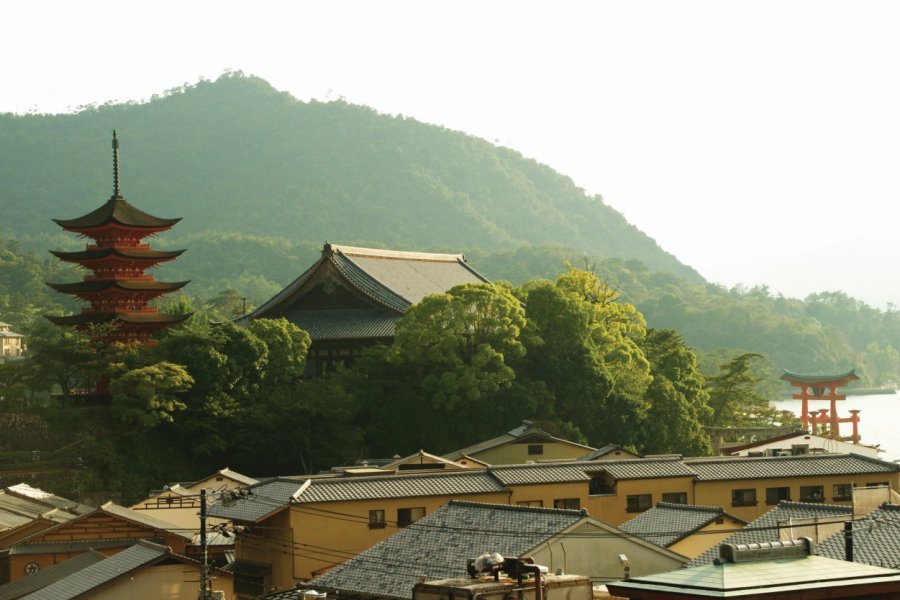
115, 147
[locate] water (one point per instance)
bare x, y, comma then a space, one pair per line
878, 419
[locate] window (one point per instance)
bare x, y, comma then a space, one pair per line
777, 494
376, 519
842, 491
535, 449
537, 503
407, 516
602, 484
812, 493
675, 497
638, 502
570, 503
743, 497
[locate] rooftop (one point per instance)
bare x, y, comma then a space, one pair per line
667, 523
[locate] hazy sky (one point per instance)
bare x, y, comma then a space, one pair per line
757, 141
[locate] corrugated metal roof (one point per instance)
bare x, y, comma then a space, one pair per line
8, 520
708, 469
140, 517
44, 577
88, 578
25, 548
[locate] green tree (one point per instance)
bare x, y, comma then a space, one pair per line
148, 396
733, 395
677, 398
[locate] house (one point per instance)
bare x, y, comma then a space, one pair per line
179, 503
144, 570
12, 344
108, 530
778, 569
352, 298
293, 528
527, 442
438, 546
25, 511
683, 528
799, 442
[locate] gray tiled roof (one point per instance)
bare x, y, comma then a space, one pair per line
811, 465
90, 577
562, 472
394, 280
666, 523
400, 486
44, 577
643, 468
876, 539
766, 527
263, 499
350, 323
438, 545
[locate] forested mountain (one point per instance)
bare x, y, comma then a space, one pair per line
235, 155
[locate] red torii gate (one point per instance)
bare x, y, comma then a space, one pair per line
824, 387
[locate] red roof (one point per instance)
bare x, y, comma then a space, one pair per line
116, 210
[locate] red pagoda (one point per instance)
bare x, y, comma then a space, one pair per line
118, 289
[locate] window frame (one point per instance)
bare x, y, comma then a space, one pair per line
744, 497
535, 449
638, 503
401, 522
774, 502
667, 497
567, 503
374, 521
816, 497
836, 494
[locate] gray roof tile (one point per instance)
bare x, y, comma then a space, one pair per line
666, 523
438, 545
400, 486
644, 468
766, 527
262, 500
876, 539
787, 466
561, 472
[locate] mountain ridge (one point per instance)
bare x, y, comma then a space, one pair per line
235, 154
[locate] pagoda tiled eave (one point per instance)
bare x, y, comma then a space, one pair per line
151, 317
116, 211
143, 255
124, 285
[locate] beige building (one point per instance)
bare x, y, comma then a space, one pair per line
526, 443
12, 344
292, 529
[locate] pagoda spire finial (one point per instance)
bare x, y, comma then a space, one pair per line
115, 146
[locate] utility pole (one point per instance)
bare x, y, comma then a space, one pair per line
204, 564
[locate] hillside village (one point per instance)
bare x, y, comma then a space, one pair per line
821, 515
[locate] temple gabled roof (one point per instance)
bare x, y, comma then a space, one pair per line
388, 281
118, 211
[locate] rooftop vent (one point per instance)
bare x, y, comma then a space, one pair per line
738, 553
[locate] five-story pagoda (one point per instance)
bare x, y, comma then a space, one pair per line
118, 289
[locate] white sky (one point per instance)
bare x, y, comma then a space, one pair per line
757, 141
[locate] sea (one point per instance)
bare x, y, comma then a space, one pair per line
879, 419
